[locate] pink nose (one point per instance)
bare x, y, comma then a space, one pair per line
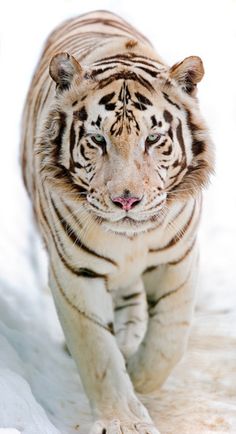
126, 202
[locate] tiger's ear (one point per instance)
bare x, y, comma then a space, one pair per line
63, 67
188, 73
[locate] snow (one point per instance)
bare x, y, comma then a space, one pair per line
40, 389
9, 431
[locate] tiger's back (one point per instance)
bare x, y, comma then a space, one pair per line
114, 156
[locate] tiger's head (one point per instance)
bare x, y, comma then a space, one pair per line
127, 135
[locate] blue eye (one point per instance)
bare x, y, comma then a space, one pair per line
152, 138
99, 139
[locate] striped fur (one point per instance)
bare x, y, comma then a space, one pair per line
105, 117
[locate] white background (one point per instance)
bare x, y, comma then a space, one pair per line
177, 29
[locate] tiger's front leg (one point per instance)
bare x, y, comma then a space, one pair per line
171, 295
131, 317
85, 310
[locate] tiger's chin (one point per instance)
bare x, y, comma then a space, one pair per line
130, 227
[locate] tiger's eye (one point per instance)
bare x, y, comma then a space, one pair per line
99, 139
152, 138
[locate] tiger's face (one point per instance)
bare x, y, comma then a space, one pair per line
129, 144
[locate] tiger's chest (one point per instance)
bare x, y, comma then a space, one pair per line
123, 259
131, 262
131, 257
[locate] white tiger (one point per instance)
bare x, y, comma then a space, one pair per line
115, 155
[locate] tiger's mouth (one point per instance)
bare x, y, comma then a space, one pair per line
128, 225
130, 220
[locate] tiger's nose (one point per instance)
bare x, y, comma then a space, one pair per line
126, 201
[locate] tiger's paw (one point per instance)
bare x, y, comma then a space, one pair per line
115, 426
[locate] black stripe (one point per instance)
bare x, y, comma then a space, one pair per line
70, 212
148, 71
162, 144
86, 272
167, 116
198, 146
81, 114
139, 106
132, 57
168, 152
106, 98
175, 164
81, 312
90, 146
125, 75
58, 140
57, 242
178, 236
81, 132
72, 145
72, 138
80, 272
172, 263
170, 101
154, 121
74, 237
97, 122
161, 177
64, 174
117, 63
78, 178
143, 99
129, 63
180, 138
110, 106
184, 256
130, 296
82, 151
153, 303
151, 268
99, 71
170, 132
125, 306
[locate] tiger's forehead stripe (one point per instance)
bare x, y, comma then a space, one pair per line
131, 57
118, 60
130, 62
106, 99
125, 75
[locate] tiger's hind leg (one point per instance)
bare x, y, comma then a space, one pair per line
131, 317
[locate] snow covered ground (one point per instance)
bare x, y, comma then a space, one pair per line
40, 389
